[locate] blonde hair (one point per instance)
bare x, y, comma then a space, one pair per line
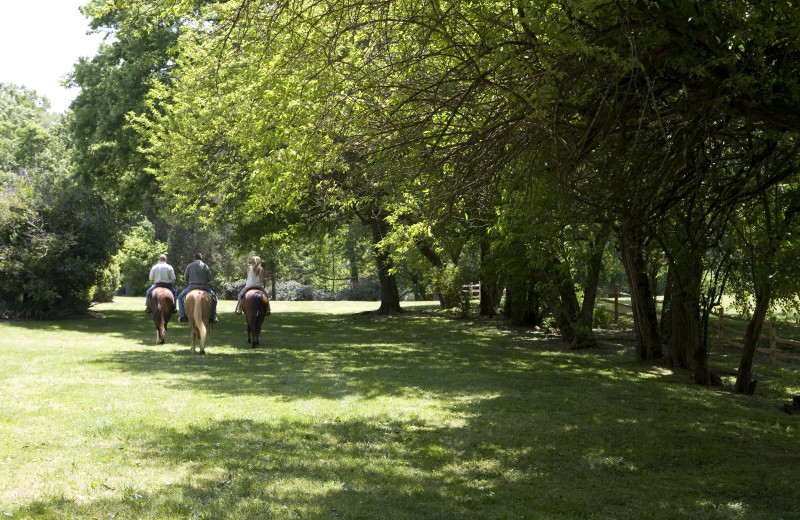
257, 265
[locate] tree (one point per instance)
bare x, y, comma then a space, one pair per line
764, 228
113, 85
139, 251
56, 234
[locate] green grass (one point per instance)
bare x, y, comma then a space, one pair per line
342, 415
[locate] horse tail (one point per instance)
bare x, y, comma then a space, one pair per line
158, 316
258, 309
199, 322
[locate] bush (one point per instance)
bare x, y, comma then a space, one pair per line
140, 250
584, 337
366, 290
602, 318
295, 291
448, 283
229, 290
108, 281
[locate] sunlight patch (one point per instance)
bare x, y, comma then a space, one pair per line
655, 372
601, 460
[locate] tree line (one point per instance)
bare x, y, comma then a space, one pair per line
514, 141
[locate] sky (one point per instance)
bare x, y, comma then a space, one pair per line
40, 40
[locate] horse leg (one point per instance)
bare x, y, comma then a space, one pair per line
202, 330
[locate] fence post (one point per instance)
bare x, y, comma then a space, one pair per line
773, 340
616, 304
721, 336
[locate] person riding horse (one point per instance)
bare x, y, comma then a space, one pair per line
197, 274
255, 280
162, 275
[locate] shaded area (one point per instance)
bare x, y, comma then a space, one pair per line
529, 429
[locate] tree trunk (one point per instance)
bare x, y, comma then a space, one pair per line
648, 346
515, 303
685, 351
564, 304
744, 377
595, 267
445, 302
390, 296
665, 324
354, 276
273, 284
522, 301
489, 281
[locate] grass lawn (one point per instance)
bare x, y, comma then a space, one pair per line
345, 415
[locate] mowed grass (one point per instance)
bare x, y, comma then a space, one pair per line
345, 415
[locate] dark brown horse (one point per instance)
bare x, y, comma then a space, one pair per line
162, 305
198, 310
255, 305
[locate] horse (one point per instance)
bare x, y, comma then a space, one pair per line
162, 305
255, 305
198, 311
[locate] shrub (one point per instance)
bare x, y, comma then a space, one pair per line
139, 252
229, 290
108, 281
295, 291
602, 318
366, 290
584, 337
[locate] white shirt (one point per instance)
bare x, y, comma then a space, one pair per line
253, 278
162, 272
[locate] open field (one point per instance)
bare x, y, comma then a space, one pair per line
345, 415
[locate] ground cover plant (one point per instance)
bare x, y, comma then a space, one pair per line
346, 415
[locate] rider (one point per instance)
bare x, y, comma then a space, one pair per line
255, 280
197, 274
162, 275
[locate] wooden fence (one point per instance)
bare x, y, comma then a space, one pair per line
473, 290
769, 336
615, 301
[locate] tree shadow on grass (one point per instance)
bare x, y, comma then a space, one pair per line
528, 433
328, 356
515, 455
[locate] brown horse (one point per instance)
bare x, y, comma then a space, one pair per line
198, 311
255, 305
162, 305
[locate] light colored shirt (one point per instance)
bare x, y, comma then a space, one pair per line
197, 273
253, 278
162, 272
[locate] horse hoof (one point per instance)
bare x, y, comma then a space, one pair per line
202, 352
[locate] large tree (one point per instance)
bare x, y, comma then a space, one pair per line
56, 233
662, 110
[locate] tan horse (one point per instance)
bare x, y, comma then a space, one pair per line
162, 305
198, 311
255, 305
